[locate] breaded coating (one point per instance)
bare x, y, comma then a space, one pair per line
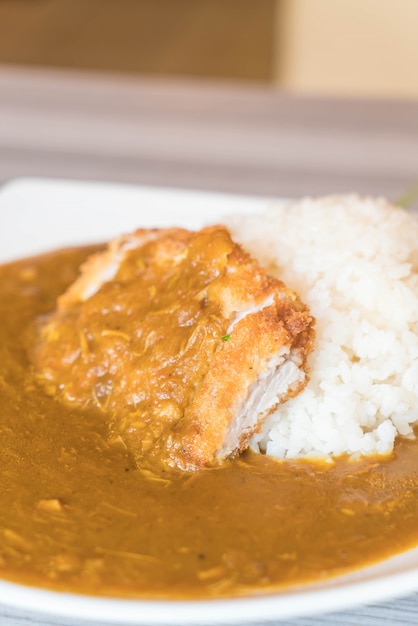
181, 340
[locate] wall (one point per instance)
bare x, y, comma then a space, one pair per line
355, 47
337, 47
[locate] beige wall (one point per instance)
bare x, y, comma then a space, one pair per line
354, 47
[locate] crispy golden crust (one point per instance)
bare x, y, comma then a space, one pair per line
235, 367
168, 333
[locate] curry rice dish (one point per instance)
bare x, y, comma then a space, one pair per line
87, 507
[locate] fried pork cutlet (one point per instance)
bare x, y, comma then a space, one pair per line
181, 340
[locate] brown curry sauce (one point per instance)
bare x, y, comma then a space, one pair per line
77, 515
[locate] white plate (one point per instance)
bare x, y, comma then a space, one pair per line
38, 215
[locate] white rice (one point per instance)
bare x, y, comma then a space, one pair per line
354, 261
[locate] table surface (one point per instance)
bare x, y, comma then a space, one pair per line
226, 137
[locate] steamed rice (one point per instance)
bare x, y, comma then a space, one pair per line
354, 261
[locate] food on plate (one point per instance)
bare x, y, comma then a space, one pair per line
181, 339
80, 513
354, 261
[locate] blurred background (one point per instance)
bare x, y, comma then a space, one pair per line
285, 43
273, 97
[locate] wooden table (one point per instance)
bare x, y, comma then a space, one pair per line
225, 137
197, 135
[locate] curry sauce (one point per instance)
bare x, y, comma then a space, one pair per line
76, 514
